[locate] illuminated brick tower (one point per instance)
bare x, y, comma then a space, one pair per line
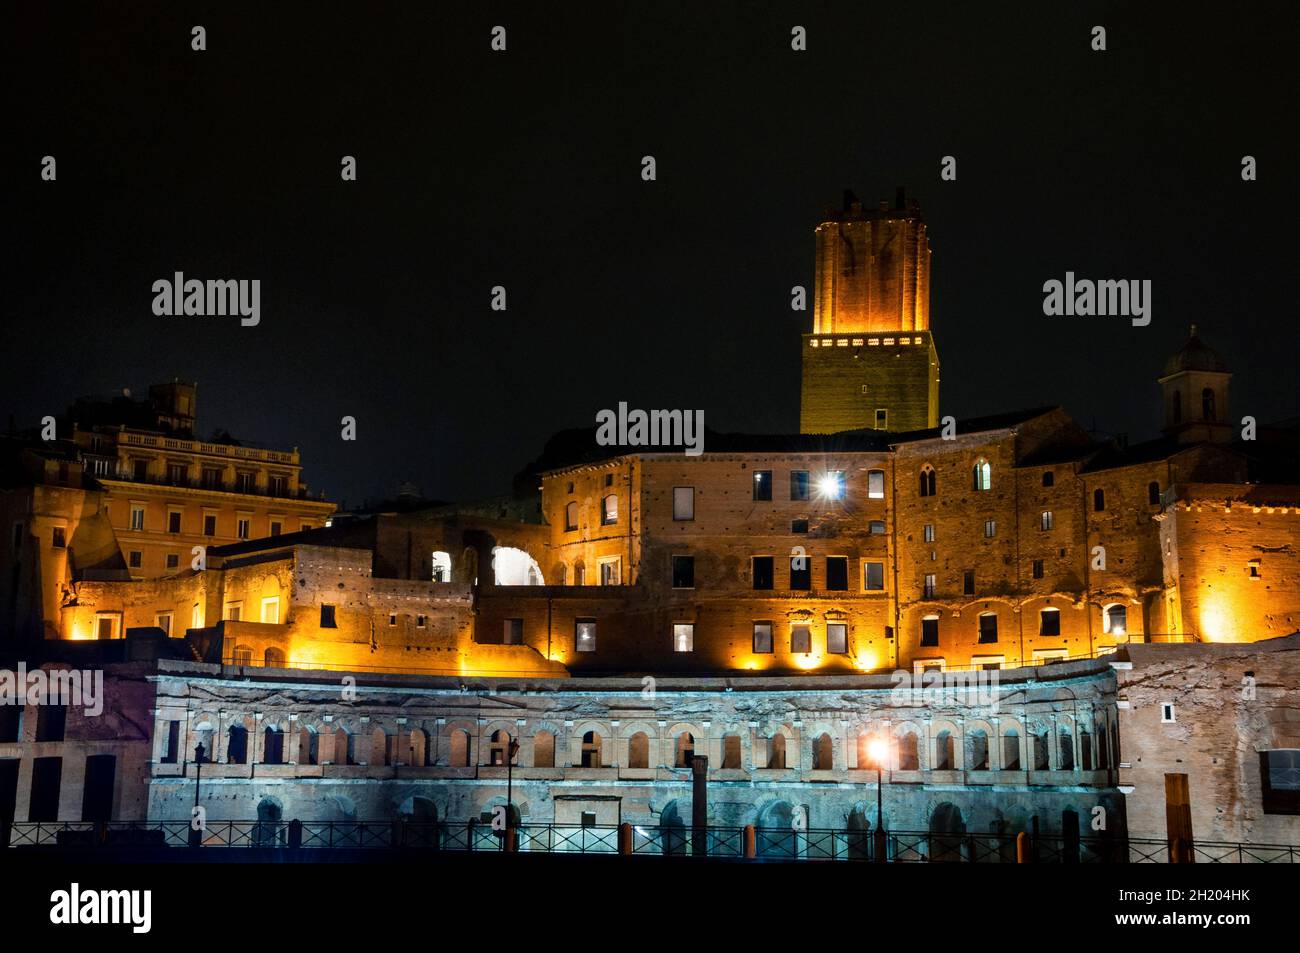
870, 360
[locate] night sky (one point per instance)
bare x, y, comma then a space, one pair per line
522, 169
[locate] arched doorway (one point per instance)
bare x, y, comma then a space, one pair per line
946, 829
267, 832
672, 829
774, 832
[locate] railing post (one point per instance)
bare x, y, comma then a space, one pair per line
750, 842
625, 838
295, 833
1024, 850
511, 839
880, 845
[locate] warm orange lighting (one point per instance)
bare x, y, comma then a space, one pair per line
878, 749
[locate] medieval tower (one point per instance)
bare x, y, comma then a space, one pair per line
870, 361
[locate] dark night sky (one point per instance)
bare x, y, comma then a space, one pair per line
522, 169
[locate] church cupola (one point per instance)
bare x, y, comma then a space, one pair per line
1195, 390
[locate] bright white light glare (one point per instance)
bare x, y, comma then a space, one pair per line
830, 486
877, 749
514, 567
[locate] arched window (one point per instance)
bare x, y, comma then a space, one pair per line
273, 658
731, 751
1085, 749
1207, 405
908, 752
544, 750
579, 573
927, 480
344, 748
1115, 619
609, 510
1153, 493
864, 752
419, 745
571, 516
638, 750
237, 745
1178, 407
272, 745
308, 745
458, 756
982, 475
440, 566
1011, 750
823, 753
1041, 762
1103, 749
591, 750
1066, 751
979, 750
776, 751
499, 748
561, 574
381, 747
685, 750
944, 753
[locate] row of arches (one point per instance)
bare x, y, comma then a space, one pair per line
1061, 745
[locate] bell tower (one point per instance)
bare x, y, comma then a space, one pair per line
870, 361
1195, 391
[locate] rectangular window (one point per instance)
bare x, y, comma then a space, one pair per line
929, 532
571, 517
327, 617
876, 527
929, 586
244, 527
798, 526
137, 517
211, 478
609, 510
873, 576
683, 502
271, 610
968, 582
801, 572
173, 521
800, 639
105, 627
1049, 622
1038, 569
173, 560
990, 529
279, 485
512, 632
584, 635
140, 471
832, 485
684, 637
392, 618
837, 638
683, 572
762, 638
1045, 522
1280, 774
276, 527
245, 482
763, 485
163, 620
882, 419
610, 571
209, 524
762, 572
837, 573
988, 627
58, 537
421, 621
134, 558
930, 631
798, 484
176, 474
234, 611
173, 742
876, 484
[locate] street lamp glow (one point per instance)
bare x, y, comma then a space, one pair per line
878, 750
